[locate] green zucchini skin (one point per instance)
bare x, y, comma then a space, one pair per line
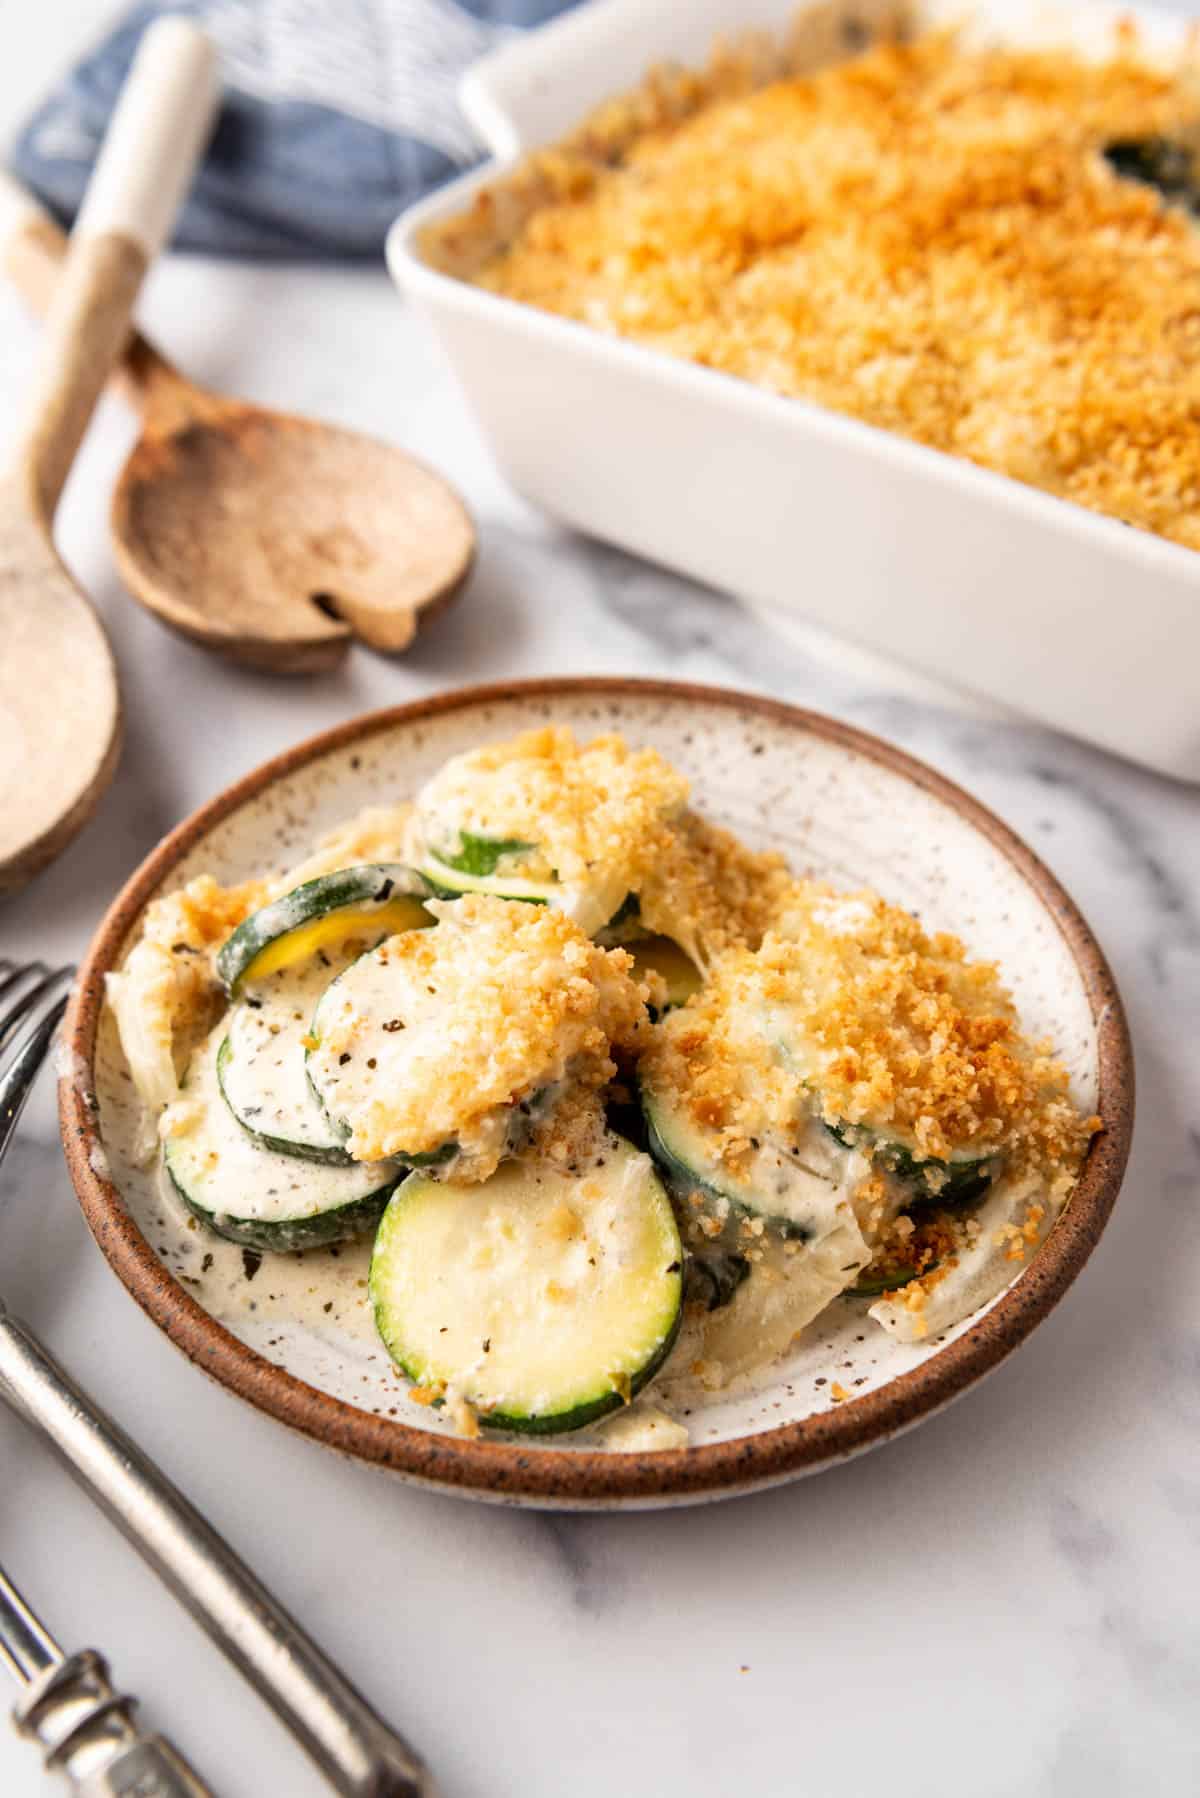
385, 896
958, 1181
873, 1285
345, 1224
573, 1357
262, 1070
684, 1177
712, 1278
481, 856
473, 870
1160, 162
329, 1154
217, 1169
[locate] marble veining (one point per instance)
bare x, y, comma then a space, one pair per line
1036, 1545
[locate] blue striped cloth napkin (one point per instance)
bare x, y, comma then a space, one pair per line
336, 114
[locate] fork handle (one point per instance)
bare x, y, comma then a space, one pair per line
86, 1731
355, 1749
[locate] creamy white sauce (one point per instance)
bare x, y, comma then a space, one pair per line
228, 1173
322, 1290
982, 1266
264, 1075
808, 1184
643, 1428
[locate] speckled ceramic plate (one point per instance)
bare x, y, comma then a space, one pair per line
296, 1340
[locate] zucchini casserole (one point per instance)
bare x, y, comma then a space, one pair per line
591, 1073
985, 249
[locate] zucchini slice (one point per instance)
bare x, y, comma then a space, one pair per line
930, 1181
876, 1279
492, 865
252, 1194
261, 1066
544, 1299
347, 1086
795, 1187
485, 865
662, 955
652, 954
376, 900
712, 1278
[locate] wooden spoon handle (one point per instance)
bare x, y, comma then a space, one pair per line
159, 127
33, 249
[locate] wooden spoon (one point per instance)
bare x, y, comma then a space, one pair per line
271, 538
60, 709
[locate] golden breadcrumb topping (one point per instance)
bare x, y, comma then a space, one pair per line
426, 1039
584, 811
926, 237
709, 891
850, 1006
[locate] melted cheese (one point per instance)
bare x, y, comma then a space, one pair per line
437, 1034
848, 1004
591, 814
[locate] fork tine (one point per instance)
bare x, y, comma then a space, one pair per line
29, 1053
24, 1003
12, 973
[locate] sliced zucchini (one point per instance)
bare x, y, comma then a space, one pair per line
624, 925
1009, 1227
956, 1181
1162, 162
543, 1299
486, 865
492, 865
661, 955
252, 1194
712, 1278
879, 1277
787, 1288
376, 900
387, 1052
261, 1065
795, 1187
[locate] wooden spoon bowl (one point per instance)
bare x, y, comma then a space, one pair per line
272, 539
60, 707
276, 539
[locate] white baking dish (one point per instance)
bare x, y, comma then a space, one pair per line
1078, 619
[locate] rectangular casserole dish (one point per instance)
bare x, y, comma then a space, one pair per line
968, 575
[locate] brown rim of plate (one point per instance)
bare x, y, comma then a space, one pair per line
516, 1470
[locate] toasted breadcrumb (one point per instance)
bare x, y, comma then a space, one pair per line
926, 237
709, 891
581, 807
497, 1003
883, 1023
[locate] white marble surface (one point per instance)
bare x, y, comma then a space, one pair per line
1000, 1603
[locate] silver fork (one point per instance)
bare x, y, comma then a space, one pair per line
85, 1728
357, 1751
